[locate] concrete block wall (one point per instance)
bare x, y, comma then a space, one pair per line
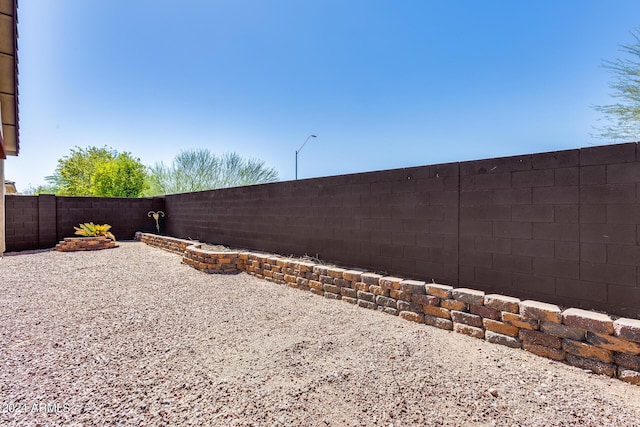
21, 226
562, 227
39, 222
401, 220
125, 215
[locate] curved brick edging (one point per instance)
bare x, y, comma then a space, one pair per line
73, 244
585, 339
170, 244
212, 262
194, 256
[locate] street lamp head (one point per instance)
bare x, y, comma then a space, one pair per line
298, 150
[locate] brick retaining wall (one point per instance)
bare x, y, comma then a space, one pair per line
589, 340
74, 244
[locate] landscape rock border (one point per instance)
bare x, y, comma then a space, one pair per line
73, 244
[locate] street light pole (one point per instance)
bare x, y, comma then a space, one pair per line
299, 149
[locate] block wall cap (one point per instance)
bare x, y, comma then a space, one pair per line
413, 286
469, 296
588, 320
438, 290
502, 303
541, 311
627, 328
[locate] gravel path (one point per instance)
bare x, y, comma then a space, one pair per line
130, 336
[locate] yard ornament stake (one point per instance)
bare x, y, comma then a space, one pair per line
156, 216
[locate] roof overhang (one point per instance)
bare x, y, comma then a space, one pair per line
9, 131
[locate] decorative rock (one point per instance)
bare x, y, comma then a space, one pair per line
540, 311
342, 283
500, 328
390, 283
73, 244
315, 284
398, 294
588, 320
352, 275
502, 303
593, 365
409, 306
325, 279
348, 292
466, 318
413, 287
469, 296
436, 311
496, 338
627, 361
378, 290
539, 338
386, 301
388, 310
361, 286
335, 272
629, 376
425, 299
304, 267
451, 304
627, 328
411, 316
320, 270
440, 291
438, 322
367, 304
468, 330
366, 296
548, 352
327, 288
586, 351
371, 278
612, 343
485, 312
350, 300
563, 331
518, 321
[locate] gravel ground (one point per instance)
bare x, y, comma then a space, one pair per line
130, 336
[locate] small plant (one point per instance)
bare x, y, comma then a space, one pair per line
89, 229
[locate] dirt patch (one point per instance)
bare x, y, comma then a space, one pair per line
132, 337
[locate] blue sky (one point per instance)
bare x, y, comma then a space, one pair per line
383, 84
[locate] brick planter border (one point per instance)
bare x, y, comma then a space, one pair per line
589, 340
73, 244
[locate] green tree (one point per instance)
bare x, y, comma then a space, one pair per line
40, 189
200, 169
101, 172
624, 115
124, 176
